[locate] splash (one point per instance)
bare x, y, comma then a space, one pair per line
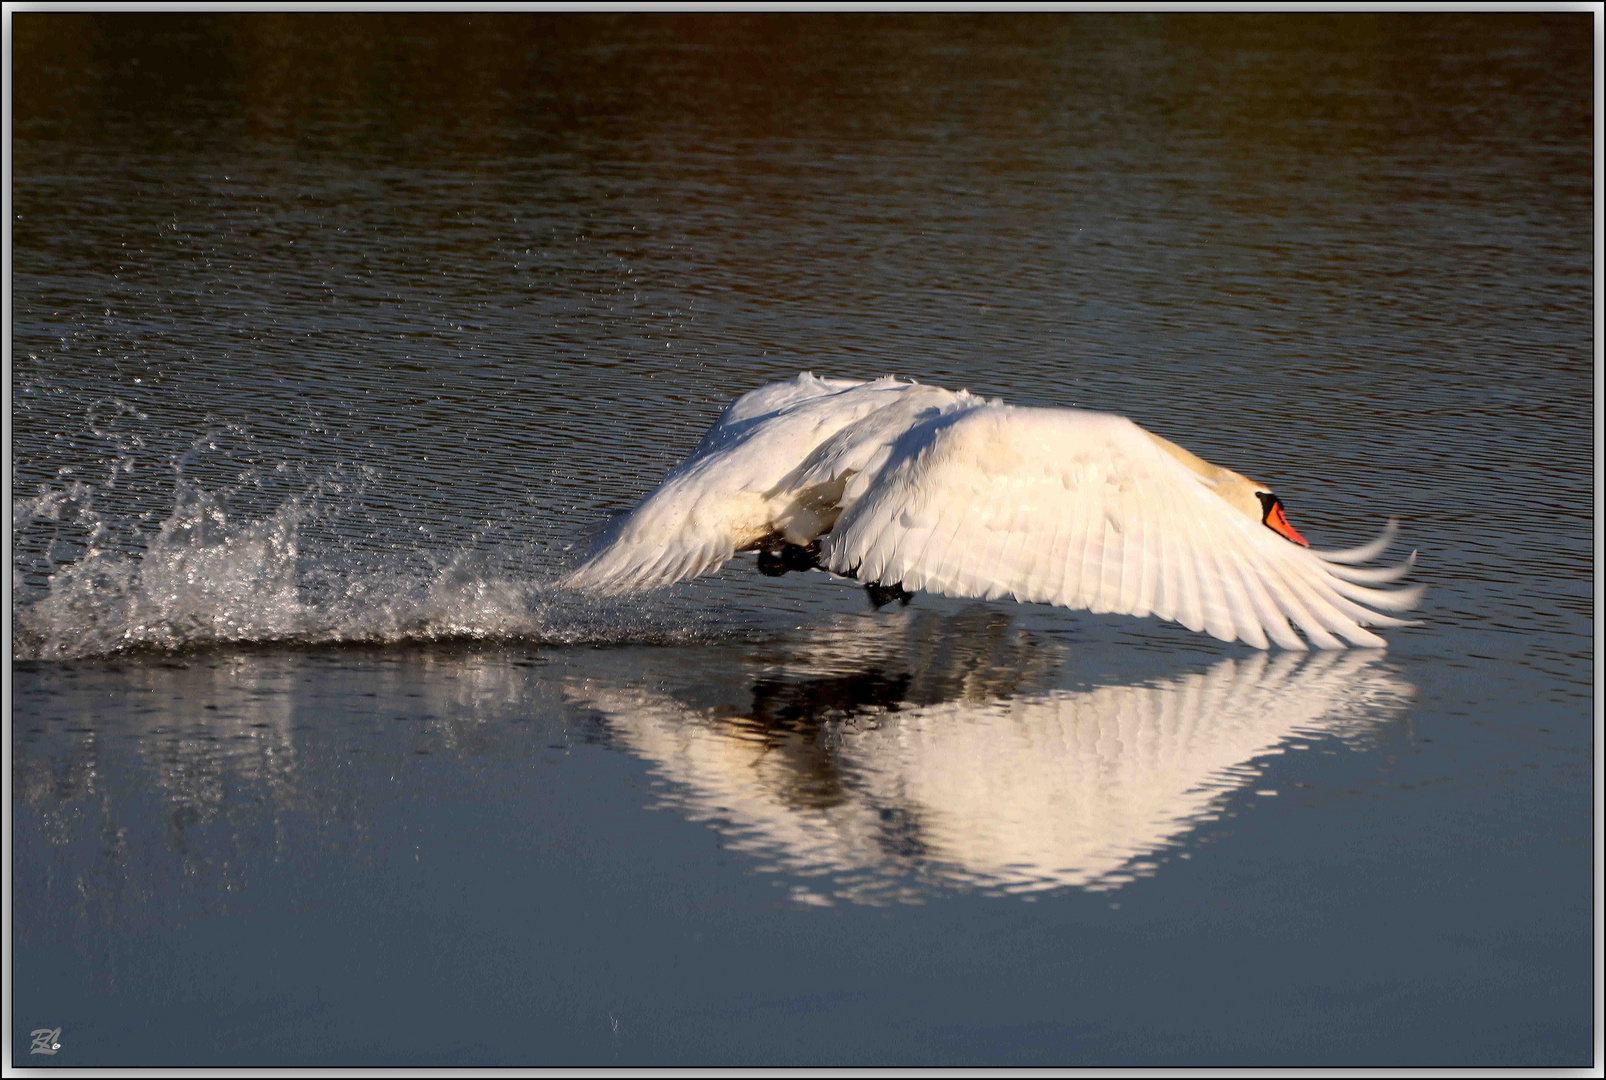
91, 580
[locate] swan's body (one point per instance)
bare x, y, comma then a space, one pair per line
906, 486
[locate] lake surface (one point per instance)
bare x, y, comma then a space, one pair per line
334, 335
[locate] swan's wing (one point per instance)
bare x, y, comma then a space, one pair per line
721, 498
1085, 510
839, 471
771, 399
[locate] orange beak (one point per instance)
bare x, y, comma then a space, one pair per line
1278, 523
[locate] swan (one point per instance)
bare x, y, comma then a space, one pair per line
908, 487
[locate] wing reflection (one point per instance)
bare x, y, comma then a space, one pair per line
934, 755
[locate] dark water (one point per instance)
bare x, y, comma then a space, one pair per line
333, 334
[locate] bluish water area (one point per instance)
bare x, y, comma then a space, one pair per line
334, 336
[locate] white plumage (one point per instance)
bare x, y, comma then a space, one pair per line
900, 484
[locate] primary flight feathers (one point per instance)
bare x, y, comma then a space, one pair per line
911, 487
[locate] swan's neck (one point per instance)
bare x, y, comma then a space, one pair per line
1210, 474
1235, 488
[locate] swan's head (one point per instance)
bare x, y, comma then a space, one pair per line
1261, 503
1249, 497
1271, 516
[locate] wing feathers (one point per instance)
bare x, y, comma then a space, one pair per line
1191, 613
1382, 575
1082, 510
1051, 574
1149, 580
1108, 594
1366, 552
948, 493
1095, 533
1170, 575
1241, 612
1287, 596
1264, 620
1271, 618
992, 572
1213, 594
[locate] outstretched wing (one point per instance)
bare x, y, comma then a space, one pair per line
1085, 510
720, 498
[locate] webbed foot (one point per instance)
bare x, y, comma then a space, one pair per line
791, 557
882, 595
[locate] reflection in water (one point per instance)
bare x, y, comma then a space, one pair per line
209, 768
932, 757
889, 753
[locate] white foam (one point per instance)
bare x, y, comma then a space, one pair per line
208, 576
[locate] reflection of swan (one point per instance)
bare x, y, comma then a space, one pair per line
910, 486
851, 773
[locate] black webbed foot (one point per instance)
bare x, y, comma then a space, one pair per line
791, 557
882, 595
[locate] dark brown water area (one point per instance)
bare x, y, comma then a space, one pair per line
333, 336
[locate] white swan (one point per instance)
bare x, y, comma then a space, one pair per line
906, 487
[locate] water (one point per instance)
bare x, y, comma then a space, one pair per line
333, 336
